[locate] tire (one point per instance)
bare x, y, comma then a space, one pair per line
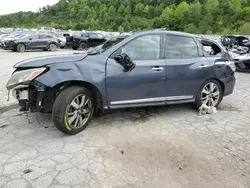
64, 110
45, 49
14, 50
216, 97
83, 46
74, 48
52, 47
21, 48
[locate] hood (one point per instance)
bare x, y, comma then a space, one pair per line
47, 60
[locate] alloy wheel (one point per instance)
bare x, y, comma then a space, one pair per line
52, 47
21, 48
79, 111
210, 94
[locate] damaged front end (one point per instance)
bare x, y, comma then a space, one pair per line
242, 62
29, 92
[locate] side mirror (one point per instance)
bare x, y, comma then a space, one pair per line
125, 61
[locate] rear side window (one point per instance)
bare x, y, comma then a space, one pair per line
93, 35
43, 36
181, 47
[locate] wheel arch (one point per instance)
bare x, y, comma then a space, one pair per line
84, 41
92, 88
221, 84
52, 42
22, 44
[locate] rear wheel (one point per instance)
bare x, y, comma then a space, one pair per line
21, 48
52, 47
83, 46
73, 110
74, 48
210, 94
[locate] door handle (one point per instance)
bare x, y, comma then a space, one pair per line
203, 66
157, 68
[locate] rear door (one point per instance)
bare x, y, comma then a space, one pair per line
93, 40
43, 41
186, 68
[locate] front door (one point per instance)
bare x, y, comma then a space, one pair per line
186, 68
145, 84
31, 41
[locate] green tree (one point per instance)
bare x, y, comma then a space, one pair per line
195, 16
244, 29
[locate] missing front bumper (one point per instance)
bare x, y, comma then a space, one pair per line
30, 97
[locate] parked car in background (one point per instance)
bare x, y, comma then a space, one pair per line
62, 40
148, 68
216, 48
32, 41
5, 40
82, 43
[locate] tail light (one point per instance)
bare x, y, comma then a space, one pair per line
231, 64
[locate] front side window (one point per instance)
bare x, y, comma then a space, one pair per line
33, 37
180, 47
147, 47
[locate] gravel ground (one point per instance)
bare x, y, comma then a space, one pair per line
168, 146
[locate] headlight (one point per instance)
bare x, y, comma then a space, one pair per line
24, 76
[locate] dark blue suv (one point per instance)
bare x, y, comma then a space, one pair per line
148, 68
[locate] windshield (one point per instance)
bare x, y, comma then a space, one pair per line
19, 36
103, 47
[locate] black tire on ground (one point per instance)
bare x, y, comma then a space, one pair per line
63, 107
74, 48
45, 49
52, 47
83, 46
21, 48
198, 101
14, 50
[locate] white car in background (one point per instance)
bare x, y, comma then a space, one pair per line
62, 40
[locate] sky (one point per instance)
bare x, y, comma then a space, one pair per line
11, 6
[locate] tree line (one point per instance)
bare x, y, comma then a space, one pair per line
203, 16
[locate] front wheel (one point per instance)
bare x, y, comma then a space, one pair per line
21, 48
210, 94
73, 110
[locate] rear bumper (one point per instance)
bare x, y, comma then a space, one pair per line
229, 84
